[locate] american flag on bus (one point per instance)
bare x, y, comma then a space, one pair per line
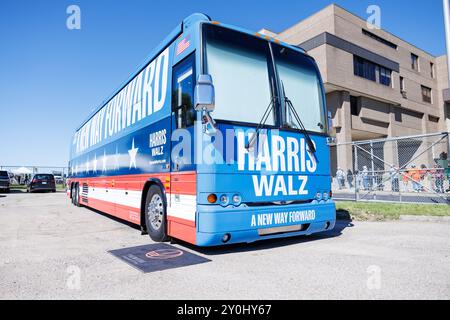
183, 45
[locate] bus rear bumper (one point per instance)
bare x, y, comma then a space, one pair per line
250, 224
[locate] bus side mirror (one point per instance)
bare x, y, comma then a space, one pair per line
204, 94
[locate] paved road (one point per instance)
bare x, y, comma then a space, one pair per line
44, 241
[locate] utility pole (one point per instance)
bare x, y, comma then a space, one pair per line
447, 34
447, 42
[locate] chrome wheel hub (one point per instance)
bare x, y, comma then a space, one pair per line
156, 211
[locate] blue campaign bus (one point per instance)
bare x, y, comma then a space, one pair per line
220, 137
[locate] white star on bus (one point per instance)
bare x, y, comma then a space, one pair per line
116, 160
104, 161
133, 152
95, 163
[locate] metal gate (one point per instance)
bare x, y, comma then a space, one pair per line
404, 169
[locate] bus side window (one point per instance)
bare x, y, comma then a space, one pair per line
183, 93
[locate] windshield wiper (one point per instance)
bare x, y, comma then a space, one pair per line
261, 124
288, 102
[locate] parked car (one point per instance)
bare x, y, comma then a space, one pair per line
42, 182
59, 179
4, 181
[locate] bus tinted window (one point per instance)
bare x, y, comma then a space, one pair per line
183, 93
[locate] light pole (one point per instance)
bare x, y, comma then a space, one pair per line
447, 34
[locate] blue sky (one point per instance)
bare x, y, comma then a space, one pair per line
51, 77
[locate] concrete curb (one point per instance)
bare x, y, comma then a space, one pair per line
425, 218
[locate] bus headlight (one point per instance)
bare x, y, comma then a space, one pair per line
224, 200
325, 196
236, 199
319, 196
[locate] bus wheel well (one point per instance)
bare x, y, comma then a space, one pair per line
72, 184
148, 184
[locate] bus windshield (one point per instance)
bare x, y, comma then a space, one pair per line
242, 72
301, 84
238, 64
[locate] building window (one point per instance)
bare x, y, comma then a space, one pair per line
414, 62
398, 115
354, 105
402, 84
432, 69
364, 68
426, 94
371, 71
433, 119
379, 39
385, 76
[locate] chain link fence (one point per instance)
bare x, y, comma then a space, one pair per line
21, 175
405, 169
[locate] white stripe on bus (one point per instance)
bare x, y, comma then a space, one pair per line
117, 196
182, 206
179, 206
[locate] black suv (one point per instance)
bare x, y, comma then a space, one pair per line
42, 182
4, 181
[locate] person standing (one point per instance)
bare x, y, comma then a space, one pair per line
439, 178
394, 179
416, 177
365, 178
406, 175
340, 176
350, 178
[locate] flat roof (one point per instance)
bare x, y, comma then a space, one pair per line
363, 20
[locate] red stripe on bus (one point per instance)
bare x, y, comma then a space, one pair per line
181, 229
131, 214
185, 183
186, 222
126, 213
178, 228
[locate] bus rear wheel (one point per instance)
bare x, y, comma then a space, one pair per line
155, 215
72, 194
75, 197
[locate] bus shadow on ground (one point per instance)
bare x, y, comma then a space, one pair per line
341, 224
106, 215
14, 191
343, 221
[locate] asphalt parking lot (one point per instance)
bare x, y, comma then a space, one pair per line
50, 249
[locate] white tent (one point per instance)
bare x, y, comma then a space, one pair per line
22, 170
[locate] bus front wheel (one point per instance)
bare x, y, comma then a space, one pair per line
155, 214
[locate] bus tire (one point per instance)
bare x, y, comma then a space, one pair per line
77, 198
155, 214
72, 194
